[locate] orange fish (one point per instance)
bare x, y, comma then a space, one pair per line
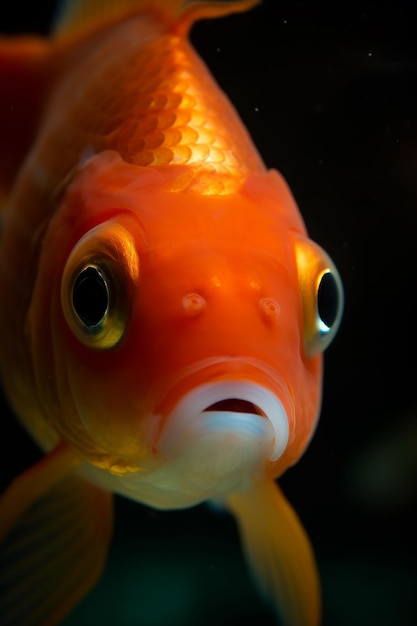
163, 312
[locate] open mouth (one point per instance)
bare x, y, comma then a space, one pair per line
235, 405
241, 411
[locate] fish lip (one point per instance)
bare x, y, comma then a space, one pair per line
196, 411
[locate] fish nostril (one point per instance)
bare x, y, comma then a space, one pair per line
193, 304
269, 308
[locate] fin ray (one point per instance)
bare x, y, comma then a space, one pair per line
279, 552
49, 562
33, 483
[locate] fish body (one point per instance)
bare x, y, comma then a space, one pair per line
165, 312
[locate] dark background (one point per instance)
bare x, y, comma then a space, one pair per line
328, 91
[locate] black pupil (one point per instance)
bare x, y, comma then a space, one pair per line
90, 296
328, 299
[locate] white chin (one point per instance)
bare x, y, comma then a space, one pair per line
217, 440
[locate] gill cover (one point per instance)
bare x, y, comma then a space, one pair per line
97, 285
321, 293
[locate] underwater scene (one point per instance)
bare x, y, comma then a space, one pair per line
328, 92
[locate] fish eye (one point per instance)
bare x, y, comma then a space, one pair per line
321, 294
327, 301
90, 296
98, 282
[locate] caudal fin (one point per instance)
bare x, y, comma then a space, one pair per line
280, 553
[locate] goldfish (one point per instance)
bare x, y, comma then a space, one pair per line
163, 311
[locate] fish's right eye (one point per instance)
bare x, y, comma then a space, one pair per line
98, 285
90, 296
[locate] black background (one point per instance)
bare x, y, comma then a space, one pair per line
328, 91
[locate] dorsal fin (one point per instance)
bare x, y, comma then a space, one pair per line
90, 15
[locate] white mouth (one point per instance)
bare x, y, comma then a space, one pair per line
247, 412
216, 441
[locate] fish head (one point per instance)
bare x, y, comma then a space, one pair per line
183, 340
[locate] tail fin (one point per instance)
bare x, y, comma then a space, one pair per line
280, 553
179, 15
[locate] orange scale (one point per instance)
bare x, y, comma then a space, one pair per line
188, 101
159, 101
145, 124
216, 156
154, 140
206, 136
135, 145
166, 119
173, 137
189, 135
143, 158
199, 152
181, 155
173, 99
198, 118
162, 156
182, 117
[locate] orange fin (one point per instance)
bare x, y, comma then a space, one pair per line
280, 553
26, 488
23, 83
81, 15
54, 554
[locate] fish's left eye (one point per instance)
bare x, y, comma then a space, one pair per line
328, 300
99, 279
321, 294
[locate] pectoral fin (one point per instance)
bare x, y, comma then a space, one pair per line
279, 552
54, 553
